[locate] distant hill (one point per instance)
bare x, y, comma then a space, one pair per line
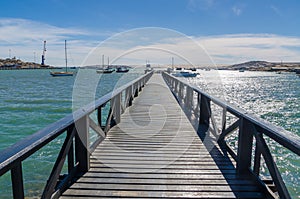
13, 63
264, 66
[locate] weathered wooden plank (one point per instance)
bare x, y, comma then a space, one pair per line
103, 180
157, 194
209, 168
155, 153
163, 187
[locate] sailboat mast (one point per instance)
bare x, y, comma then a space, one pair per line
66, 54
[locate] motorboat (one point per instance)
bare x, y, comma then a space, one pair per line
184, 74
122, 69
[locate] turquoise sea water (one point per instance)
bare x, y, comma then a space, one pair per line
271, 96
30, 100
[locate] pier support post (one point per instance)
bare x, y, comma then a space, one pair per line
245, 142
116, 101
136, 89
205, 110
82, 144
189, 97
130, 94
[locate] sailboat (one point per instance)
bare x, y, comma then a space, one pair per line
63, 73
107, 69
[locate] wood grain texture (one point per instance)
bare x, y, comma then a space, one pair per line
155, 153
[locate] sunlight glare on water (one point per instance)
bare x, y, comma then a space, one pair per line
273, 97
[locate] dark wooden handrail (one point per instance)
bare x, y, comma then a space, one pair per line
76, 127
249, 127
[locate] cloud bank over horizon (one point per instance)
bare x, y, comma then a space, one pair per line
24, 38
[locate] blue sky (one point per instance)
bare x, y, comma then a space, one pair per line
228, 31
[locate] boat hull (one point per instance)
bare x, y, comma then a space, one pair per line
122, 70
185, 74
60, 74
107, 71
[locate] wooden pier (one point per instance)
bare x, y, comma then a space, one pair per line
158, 140
139, 160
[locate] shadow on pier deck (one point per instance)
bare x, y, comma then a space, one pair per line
154, 152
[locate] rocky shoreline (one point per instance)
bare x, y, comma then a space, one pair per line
264, 66
17, 64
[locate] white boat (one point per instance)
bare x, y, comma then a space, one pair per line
63, 73
105, 70
184, 74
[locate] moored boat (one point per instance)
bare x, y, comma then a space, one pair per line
122, 69
62, 73
184, 74
106, 70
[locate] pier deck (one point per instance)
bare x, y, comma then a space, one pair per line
155, 152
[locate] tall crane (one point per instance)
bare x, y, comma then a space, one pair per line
43, 55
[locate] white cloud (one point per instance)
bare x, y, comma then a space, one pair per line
244, 47
158, 45
24, 37
21, 30
221, 49
237, 11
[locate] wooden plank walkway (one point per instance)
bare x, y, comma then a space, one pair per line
155, 153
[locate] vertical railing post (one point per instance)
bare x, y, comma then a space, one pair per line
205, 110
174, 84
99, 115
116, 101
17, 181
257, 159
244, 151
71, 151
126, 98
82, 144
130, 93
136, 90
180, 91
140, 86
189, 97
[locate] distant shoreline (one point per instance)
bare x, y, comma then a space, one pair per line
264, 66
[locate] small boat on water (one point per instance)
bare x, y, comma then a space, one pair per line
122, 69
185, 74
62, 73
105, 71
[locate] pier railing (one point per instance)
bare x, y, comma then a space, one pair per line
76, 148
251, 137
